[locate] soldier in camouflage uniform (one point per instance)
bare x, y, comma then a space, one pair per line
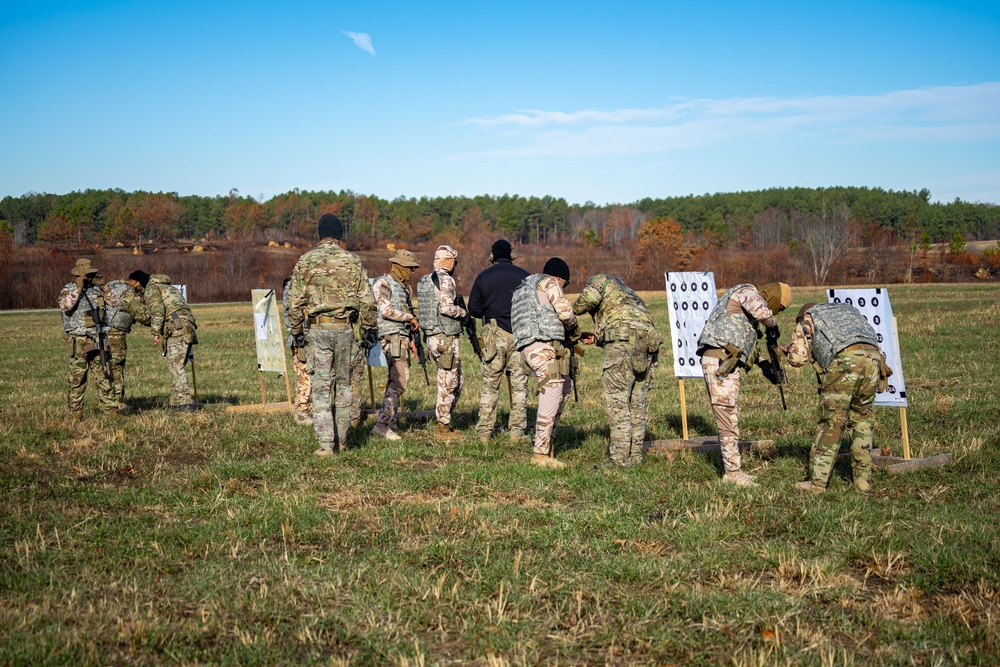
624, 328
850, 366
173, 327
79, 302
727, 344
545, 330
396, 327
302, 403
489, 300
122, 308
441, 319
330, 286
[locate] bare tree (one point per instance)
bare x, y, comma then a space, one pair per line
826, 236
769, 228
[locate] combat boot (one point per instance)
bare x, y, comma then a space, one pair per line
303, 418
862, 485
809, 486
545, 461
323, 452
739, 478
385, 432
517, 437
446, 432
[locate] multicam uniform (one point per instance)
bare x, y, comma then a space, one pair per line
171, 319
846, 356
302, 403
441, 320
733, 322
81, 342
330, 285
122, 308
394, 315
541, 316
624, 328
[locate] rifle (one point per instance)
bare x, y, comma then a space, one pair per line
419, 344
103, 346
772, 370
574, 367
469, 325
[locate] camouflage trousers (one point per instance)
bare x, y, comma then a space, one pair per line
119, 350
397, 355
358, 365
444, 350
177, 351
554, 388
846, 395
626, 399
84, 364
724, 393
330, 356
302, 403
507, 360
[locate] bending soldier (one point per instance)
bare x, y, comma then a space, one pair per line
302, 403
441, 319
122, 308
727, 344
396, 326
624, 328
850, 366
490, 300
174, 328
330, 287
545, 329
81, 303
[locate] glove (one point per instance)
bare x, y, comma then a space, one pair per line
370, 339
575, 334
773, 334
300, 340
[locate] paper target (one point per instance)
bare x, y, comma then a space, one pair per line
690, 299
874, 304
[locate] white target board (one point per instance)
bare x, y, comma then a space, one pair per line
268, 331
690, 299
874, 304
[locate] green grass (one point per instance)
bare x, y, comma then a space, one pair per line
216, 537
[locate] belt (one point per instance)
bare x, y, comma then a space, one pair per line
857, 347
337, 322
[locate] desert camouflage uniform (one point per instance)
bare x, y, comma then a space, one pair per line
500, 355
444, 348
171, 319
550, 362
846, 396
81, 342
302, 402
330, 285
119, 296
724, 392
624, 328
394, 337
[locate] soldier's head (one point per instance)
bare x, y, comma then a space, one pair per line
557, 268
445, 257
84, 268
501, 249
777, 295
330, 227
138, 280
402, 264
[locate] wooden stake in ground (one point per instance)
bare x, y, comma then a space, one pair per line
684, 414
371, 388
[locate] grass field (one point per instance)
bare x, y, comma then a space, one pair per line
213, 537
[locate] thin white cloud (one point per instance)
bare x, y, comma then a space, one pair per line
941, 114
362, 40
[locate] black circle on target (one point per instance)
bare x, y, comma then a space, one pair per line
673, 287
684, 305
836, 299
892, 389
680, 361
704, 287
861, 302
684, 287
874, 302
878, 320
704, 304
879, 337
848, 301
694, 305
691, 360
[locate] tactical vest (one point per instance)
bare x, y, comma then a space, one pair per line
431, 319
398, 300
78, 321
115, 316
173, 303
530, 320
620, 305
738, 329
835, 327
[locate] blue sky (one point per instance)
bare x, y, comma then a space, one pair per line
583, 100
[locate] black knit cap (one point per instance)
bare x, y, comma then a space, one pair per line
501, 250
557, 268
140, 277
330, 226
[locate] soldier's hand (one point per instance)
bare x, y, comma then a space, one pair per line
414, 325
588, 338
80, 280
413, 348
156, 339
300, 340
773, 334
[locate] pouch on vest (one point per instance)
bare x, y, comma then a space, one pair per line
398, 346
446, 360
639, 351
562, 361
488, 342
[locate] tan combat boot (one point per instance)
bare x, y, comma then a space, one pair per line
809, 486
545, 461
446, 432
739, 478
862, 485
385, 432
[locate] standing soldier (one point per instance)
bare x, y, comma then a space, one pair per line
624, 328
727, 344
81, 303
171, 320
122, 308
302, 403
850, 367
545, 330
441, 319
330, 287
490, 300
396, 326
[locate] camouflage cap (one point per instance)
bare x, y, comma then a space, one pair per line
777, 295
445, 252
405, 258
84, 267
